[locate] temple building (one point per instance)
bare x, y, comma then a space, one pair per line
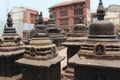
11, 49
99, 56
67, 13
54, 32
41, 60
73, 43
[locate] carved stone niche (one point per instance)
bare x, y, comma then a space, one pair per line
99, 49
97, 76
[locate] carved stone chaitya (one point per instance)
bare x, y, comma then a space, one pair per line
73, 43
41, 60
11, 49
99, 57
54, 32
75, 38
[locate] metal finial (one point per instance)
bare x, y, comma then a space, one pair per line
41, 14
40, 21
51, 15
100, 11
51, 19
100, 1
39, 18
9, 21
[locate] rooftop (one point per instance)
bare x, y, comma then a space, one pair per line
45, 19
67, 3
113, 8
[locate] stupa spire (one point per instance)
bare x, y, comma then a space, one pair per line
51, 19
100, 11
39, 18
9, 21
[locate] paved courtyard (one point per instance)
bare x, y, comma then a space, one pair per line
62, 52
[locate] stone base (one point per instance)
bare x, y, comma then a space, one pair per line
67, 73
8, 67
31, 72
96, 73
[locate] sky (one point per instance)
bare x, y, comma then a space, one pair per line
43, 5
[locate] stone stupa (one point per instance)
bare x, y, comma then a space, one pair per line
11, 49
99, 56
41, 60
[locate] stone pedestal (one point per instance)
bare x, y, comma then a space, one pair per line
41, 72
8, 67
96, 73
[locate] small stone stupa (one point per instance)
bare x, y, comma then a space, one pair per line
75, 38
99, 56
11, 49
41, 60
54, 32
73, 43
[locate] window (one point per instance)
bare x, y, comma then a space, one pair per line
64, 13
64, 22
32, 21
75, 5
54, 14
32, 15
78, 11
82, 4
32, 18
77, 20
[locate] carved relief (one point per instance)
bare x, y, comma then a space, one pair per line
99, 49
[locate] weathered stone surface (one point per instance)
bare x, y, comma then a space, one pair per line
73, 43
99, 55
54, 32
41, 60
11, 49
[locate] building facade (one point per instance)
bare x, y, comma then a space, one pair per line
23, 18
113, 14
67, 13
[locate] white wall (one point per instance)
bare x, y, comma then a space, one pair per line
17, 14
88, 16
113, 17
2, 23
